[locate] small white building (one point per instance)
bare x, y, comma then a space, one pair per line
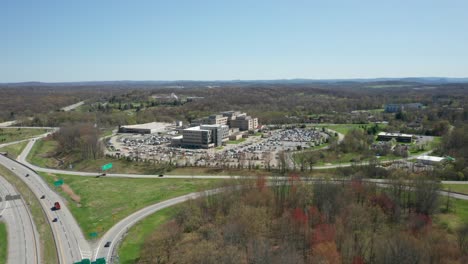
430, 160
148, 128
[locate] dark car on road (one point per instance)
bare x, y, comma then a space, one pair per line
108, 243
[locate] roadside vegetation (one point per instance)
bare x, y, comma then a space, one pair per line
460, 188
236, 141
48, 249
455, 218
16, 134
132, 244
3, 243
352, 222
455, 145
15, 149
99, 203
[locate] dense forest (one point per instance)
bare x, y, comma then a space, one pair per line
297, 222
272, 103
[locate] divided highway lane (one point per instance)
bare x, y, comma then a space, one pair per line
23, 238
71, 244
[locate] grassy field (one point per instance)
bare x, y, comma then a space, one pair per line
48, 249
457, 215
344, 128
194, 171
461, 188
15, 149
43, 149
15, 134
235, 141
3, 243
40, 153
105, 201
132, 244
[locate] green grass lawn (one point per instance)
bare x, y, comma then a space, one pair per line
3, 243
132, 244
461, 188
15, 134
48, 249
107, 132
457, 215
345, 128
105, 201
40, 152
15, 149
235, 141
43, 150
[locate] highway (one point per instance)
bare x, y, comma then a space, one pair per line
71, 244
23, 238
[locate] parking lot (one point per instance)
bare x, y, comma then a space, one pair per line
255, 151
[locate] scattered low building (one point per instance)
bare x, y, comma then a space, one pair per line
399, 137
148, 128
235, 136
394, 108
430, 160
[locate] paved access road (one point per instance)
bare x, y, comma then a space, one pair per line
118, 231
71, 244
23, 238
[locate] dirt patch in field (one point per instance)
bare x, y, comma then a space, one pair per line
68, 190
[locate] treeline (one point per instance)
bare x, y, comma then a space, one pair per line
81, 139
455, 145
272, 103
297, 222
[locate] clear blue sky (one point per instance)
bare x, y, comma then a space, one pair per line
54, 41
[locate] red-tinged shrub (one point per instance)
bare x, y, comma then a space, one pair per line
294, 178
419, 223
323, 233
299, 216
358, 260
315, 217
325, 253
261, 183
384, 202
357, 186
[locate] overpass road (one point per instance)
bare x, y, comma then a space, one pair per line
23, 238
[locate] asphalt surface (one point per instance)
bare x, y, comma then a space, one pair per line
71, 244
23, 238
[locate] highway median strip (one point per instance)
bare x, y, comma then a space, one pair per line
48, 248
